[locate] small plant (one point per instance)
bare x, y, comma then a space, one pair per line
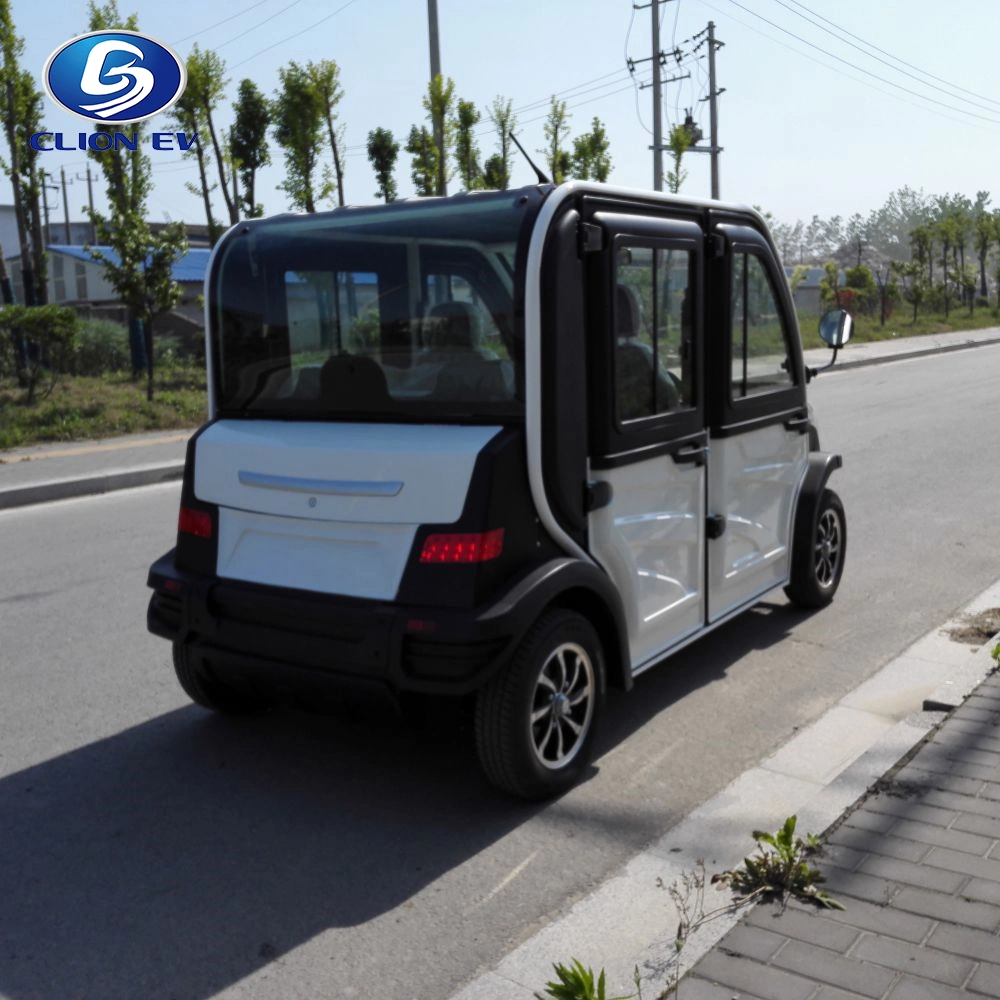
576, 983
995, 653
780, 869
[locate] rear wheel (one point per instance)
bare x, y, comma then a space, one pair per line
818, 561
536, 720
208, 692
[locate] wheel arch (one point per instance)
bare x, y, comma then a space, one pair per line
589, 604
822, 465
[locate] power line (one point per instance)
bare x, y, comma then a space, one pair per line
902, 62
259, 24
310, 27
913, 76
225, 20
861, 69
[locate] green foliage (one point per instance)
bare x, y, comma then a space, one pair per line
325, 76
577, 983
206, 84
382, 153
467, 117
679, 141
556, 130
590, 159
101, 345
297, 116
496, 170
47, 333
439, 102
424, 167
829, 285
861, 280
780, 869
248, 143
995, 653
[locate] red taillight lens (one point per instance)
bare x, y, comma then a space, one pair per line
195, 522
468, 547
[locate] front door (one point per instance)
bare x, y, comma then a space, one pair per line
648, 439
759, 442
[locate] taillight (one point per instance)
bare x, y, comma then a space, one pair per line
195, 522
467, 547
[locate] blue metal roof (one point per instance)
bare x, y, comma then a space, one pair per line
191, 267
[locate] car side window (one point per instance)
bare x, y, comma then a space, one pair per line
761, 352
652, 331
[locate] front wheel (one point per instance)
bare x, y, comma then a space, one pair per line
536, 720
818, 560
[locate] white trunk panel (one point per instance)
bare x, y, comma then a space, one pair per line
328, 507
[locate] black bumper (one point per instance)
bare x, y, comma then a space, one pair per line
297, 641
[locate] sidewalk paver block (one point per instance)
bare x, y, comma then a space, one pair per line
921, 876
924, 833
894, 805
963, 803
983, 891
873, 843
762, 980
802, 925
836, 970
940, 966
942, 907
965, 941
969, 864
986, 980
923, 989
858, 885
935, 779
865, 819
985, 826
881, 920
696, 988
752, 942
843, 857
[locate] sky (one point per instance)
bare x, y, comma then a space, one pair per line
829, 105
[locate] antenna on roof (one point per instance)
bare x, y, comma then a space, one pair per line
542, 179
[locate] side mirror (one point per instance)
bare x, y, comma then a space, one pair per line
836, 327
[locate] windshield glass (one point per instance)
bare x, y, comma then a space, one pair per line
406, 311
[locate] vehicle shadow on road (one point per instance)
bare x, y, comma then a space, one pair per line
182, 855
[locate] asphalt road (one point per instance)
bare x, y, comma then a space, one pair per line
149, 849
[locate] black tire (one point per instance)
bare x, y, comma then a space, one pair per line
536, 720
818, 558
209, 693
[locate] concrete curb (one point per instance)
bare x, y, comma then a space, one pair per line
843, 365
104, 482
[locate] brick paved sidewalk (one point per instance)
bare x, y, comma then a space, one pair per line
917, 866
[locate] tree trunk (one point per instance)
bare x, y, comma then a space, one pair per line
212, 234
231, 208
338, 166
38, 242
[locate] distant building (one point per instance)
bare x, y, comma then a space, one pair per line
806, 295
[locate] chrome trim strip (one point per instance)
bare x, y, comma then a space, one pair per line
328, 487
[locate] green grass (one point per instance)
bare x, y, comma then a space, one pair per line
83, 407
900, 324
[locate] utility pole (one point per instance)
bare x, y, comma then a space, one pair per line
62, 174
713, 111
654, 8
432, 30
45, 207
90, 201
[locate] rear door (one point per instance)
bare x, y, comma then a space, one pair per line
647, 435
759, 442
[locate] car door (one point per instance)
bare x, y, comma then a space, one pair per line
647, 434
759, 444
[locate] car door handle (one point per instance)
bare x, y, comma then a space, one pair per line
800, 424
696, 453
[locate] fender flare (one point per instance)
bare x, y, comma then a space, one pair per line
822, 465
580, 586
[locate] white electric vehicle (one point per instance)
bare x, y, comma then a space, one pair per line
518, 445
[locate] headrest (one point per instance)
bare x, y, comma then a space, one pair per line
626, 312
452, 324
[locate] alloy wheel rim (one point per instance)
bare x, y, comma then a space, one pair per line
828, 545
562, 706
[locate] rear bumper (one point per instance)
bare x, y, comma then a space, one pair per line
297, 641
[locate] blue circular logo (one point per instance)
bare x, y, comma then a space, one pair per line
115, 77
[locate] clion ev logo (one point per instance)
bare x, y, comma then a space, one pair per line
114, 76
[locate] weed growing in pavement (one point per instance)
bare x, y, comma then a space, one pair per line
578, 983
779, 869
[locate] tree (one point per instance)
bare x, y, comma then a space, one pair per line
248, 143
424, 169
982, 236
22, 113
206, 83
382, 153
297, 114
556, 130
326, 79
915, 283
678, 142
139, 267
467, 117
188, 115
497, 168
590, 160
439, 104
